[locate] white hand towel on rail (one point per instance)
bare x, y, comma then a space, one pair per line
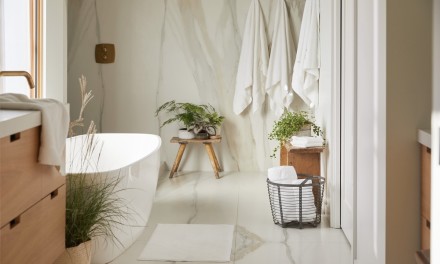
307, 64
54, 124
252, 67
282, 57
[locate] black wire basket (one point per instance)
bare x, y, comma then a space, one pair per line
299, 204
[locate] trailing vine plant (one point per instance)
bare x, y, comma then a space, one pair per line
289, 124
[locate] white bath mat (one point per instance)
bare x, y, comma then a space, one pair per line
186, 242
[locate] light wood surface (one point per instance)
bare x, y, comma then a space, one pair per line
304, 160
426, 233
426, 182
209, 150
178, 159
212, 159
32, 202
425, 197
203, 141
23, 181
293, 149
38, 236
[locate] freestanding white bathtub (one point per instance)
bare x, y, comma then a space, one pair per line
135, 159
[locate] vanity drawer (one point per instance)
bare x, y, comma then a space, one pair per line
426, 233
37, 235
426, 182
23, 181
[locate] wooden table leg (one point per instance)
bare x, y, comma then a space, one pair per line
215, 158
212, 159
178, 158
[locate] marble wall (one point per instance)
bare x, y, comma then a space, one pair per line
183, 50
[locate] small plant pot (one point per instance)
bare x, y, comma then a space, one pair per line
185, 134
202, 135
306, 131
81, 254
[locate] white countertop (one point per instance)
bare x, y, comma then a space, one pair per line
14, 121
424, 137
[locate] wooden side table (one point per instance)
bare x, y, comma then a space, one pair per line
209, 149
305, 160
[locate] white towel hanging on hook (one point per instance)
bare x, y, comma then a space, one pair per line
252, 67
282, 57
308, 58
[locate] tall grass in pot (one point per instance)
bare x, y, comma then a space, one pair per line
92, 204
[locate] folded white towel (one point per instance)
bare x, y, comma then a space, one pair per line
306, 142
308, 211
54, 124
307, 64
282, 57
252, 67
282, 174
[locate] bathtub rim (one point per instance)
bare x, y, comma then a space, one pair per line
156, 149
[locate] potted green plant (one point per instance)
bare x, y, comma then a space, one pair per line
195, 118
290, 124
92, 206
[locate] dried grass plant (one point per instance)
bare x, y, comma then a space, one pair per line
93, 207
86, 97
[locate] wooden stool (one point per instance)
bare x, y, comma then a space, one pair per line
209, 149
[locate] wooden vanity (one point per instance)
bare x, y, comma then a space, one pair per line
32, 195
424, 139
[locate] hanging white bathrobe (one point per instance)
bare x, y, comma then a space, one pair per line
282, 56
306, 70
252, 68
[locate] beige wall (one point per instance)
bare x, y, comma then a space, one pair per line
409, 86
55, 50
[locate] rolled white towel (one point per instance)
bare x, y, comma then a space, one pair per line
282, 174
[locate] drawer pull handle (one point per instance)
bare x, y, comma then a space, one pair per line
14, 137
14, 222
53, 194
428, 224
428, 150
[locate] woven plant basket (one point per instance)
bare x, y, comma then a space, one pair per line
81, 254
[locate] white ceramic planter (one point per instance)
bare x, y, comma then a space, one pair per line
185, 134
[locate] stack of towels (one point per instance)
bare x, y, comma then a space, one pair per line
287, 175
306, 142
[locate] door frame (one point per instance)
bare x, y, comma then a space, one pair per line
330, 32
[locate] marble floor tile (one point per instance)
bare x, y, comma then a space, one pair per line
240, 199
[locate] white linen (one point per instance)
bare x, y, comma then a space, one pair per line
282, 56
282, 174
306, 142
189, 242
252, 67
307, 64
308, 212
54, 124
